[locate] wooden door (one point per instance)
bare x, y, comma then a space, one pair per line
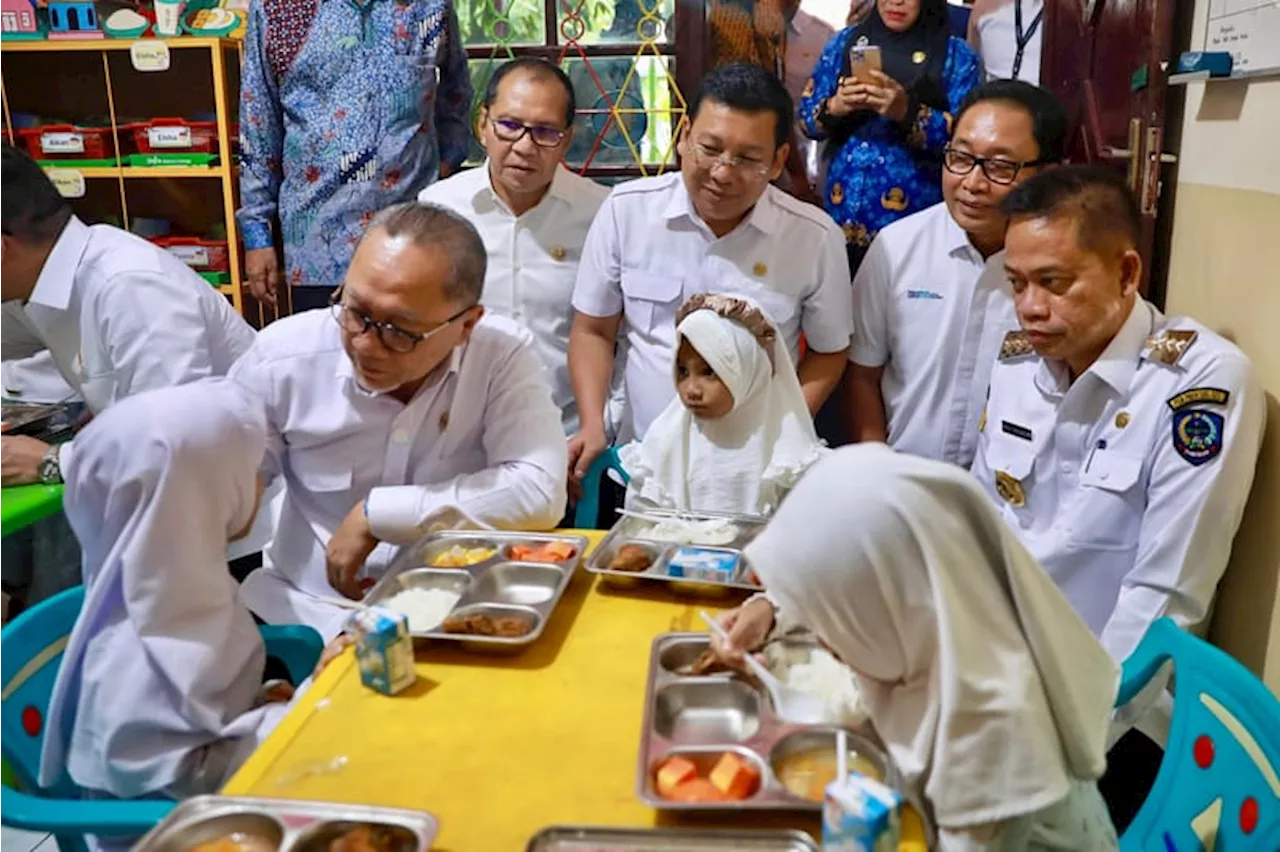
1108, 60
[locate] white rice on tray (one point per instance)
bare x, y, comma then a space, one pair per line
826, 677
708, 533
425, 608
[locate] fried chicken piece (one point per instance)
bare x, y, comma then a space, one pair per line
507, 627
632, 558
706, 664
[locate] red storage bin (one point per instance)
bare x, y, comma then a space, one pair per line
68, 142
201, 255
160, 135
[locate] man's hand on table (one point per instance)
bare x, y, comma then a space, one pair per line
347, 552
20, 457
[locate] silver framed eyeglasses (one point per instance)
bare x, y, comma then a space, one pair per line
997, 169
707, 158
509, 130
390, 335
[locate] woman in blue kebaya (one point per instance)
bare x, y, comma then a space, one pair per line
885, 137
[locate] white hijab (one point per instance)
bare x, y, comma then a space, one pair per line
163, 658
745, 461
985, 685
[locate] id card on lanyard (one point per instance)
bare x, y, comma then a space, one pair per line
1023, 38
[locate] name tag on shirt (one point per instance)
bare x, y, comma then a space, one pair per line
1015, 430
924, 294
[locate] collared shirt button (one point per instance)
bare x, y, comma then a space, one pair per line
1065, 467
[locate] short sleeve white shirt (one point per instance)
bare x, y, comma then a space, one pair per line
648, 251
533, 259
932, 313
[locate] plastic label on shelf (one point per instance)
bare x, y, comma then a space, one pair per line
68, 182
149, 54
62, 143
191, 255
169, 137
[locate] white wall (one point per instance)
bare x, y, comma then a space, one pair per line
1225, 271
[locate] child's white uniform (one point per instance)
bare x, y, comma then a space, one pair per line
990, 692
159, 680
744, 462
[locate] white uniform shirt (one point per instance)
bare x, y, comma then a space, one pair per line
932, 312
533, 259
28, 372
120, 315
998, 41
484, 437
1131, 493
648, 251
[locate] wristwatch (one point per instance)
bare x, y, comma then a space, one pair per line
50, 467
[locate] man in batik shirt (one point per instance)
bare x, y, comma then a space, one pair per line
346, 107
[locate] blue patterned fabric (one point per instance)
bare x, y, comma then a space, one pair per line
345, 108
886, 170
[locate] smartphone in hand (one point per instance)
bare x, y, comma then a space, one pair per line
863, 59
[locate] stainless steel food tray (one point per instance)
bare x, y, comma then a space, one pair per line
630, 530
591, 839
26, 416
284, 825
702, 717
498, 586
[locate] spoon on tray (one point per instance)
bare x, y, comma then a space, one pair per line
791, 704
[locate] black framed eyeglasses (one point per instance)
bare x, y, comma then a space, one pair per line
997, 169
390, 335
509, 130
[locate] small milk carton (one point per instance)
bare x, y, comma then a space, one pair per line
703, 563
859, 814
384, 649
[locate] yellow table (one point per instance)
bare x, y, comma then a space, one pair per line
496, 747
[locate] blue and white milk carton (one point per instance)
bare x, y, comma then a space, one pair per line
384, 649
859, 814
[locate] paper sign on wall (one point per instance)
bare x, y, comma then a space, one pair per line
68, 182
149, 54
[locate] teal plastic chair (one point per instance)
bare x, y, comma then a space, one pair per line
31, 649
586, 514
1219, 783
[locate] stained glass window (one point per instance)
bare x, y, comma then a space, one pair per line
622, 57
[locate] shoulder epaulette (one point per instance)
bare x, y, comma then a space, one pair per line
1168, 347
1015, 345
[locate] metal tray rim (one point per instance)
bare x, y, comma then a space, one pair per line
423, 824
796, 840
771, 797
403, 563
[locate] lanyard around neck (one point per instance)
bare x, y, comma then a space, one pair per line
1023, 39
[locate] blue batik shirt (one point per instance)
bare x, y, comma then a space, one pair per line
887, 169
345, 109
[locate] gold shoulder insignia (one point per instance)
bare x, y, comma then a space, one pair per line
1168, 347
1015, 345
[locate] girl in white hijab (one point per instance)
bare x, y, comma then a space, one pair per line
992, 696
738, 435
159, 689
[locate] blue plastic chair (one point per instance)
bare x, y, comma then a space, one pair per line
1220, 776
31, 649
586, 514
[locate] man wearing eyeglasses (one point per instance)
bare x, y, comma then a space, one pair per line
399, 402
931, 303
717, 226
531, 211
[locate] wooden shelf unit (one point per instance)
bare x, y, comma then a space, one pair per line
34, 81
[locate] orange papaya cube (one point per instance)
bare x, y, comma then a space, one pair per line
696, 791
673, 772
735, 777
